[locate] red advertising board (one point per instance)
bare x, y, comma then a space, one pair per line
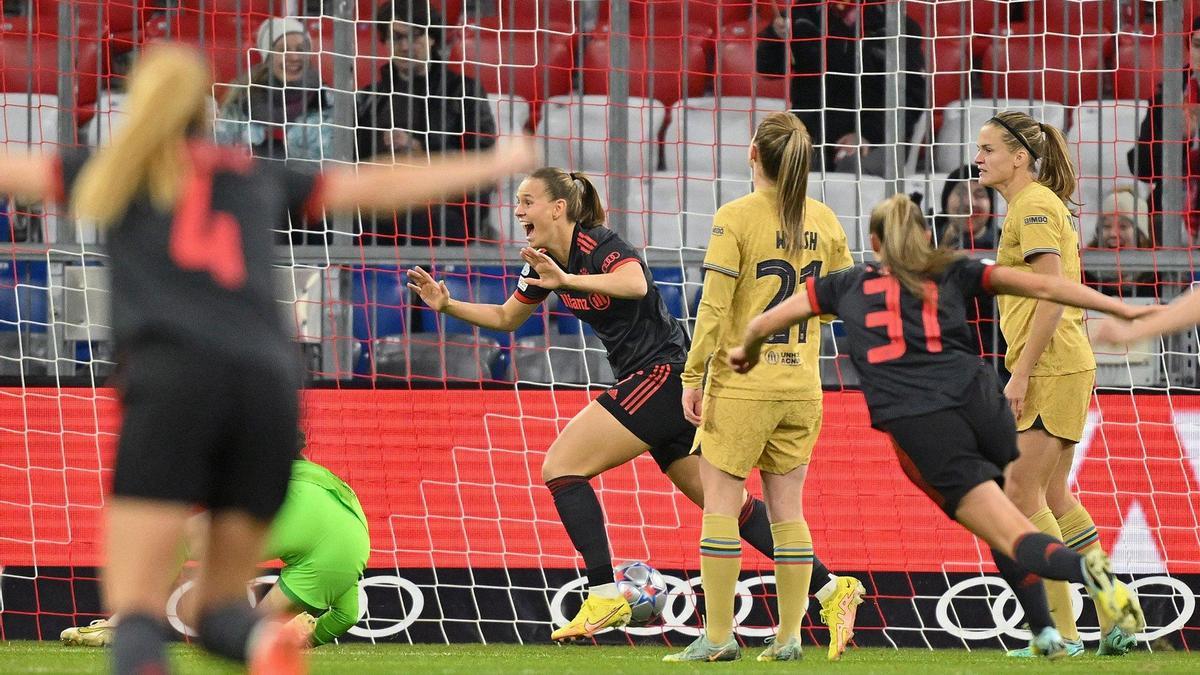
451, 478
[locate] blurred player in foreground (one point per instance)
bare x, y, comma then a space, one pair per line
764, 246
1049, 356
941, 404
603, 281
211, 374
320, 534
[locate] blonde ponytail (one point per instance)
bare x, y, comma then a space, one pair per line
785, 155
904, 243
168, 92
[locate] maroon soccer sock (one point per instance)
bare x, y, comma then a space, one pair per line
1048, 558
1028, 588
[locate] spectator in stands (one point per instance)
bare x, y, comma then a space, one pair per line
1124, 223
1146, 157
418, 107
967, 218
280, 111
844, 107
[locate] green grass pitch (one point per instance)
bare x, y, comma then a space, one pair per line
358, 659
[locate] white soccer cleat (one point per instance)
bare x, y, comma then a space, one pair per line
98, 633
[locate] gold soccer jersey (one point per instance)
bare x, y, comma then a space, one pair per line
748, 244
1039, 222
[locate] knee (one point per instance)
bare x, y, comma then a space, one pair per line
1027, 494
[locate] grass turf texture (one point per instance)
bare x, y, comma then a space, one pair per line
358, 659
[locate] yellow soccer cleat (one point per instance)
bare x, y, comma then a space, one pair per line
596, 614
838, 612
1117, 605
98, 633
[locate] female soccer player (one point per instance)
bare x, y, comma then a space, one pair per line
763, 247
604, 283
320, 534
928, 389
210, 404
1049, 356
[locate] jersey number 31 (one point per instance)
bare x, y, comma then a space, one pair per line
788, 281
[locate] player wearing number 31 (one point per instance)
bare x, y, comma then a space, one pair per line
764, 248
210, 372
925, 385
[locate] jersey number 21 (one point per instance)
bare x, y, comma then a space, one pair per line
788, 281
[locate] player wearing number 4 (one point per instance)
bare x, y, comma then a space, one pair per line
210, 371
1051, 362
764, 247
601, 279
928, 389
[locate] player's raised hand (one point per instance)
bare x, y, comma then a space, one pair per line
551, 276
743, 360
433, 293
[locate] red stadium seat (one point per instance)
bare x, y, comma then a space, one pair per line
662, 68
737, 67
534, 66
951, 18
1076, 17
949, 69
1051, 68
225, 37
1138, 60
552, 15
673, 18
29, 64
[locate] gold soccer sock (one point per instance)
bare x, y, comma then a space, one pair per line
720, 563
1058, 593
793, 573
1079, 532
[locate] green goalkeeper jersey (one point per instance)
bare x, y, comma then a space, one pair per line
320, 534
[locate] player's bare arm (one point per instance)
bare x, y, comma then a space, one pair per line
788, 313
508, 316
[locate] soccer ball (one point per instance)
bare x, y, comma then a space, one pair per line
644, 589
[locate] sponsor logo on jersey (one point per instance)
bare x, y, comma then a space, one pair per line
572, 302
608, 261
718, 230
599, 301
783, 358
1036, 220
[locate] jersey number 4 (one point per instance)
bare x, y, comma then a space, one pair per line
891, 320
203, 240
788, 281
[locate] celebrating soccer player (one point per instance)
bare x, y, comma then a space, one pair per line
928, 389
601, 279
320, 534
210, 372
764, 246
1049, 356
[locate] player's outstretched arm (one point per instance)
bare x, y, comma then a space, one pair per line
784, 315
1180, 315
389, 188
1008, 281
508, 316
27, 177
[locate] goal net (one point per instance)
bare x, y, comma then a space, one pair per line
441, 428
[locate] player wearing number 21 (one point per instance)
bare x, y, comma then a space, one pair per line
210, 372
764, 248
928, 389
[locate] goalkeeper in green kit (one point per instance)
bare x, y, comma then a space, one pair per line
321, 536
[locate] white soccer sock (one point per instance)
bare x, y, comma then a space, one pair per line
827, 590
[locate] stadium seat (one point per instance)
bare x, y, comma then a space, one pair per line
511, 113
454, 357
107, 120
1100, 138
225, 37
549, 15
1076, 17
663, 68
380, 300
1138, 60
1050, 67
950, 70
28, 119
710, 137
851, 197
29, 64
562, 359
737, 66
677, 212
577, 137
961, 121
669, 281
676, 18
24, 296
532, 65
957, 18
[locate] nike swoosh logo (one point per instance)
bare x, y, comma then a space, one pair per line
588, 626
